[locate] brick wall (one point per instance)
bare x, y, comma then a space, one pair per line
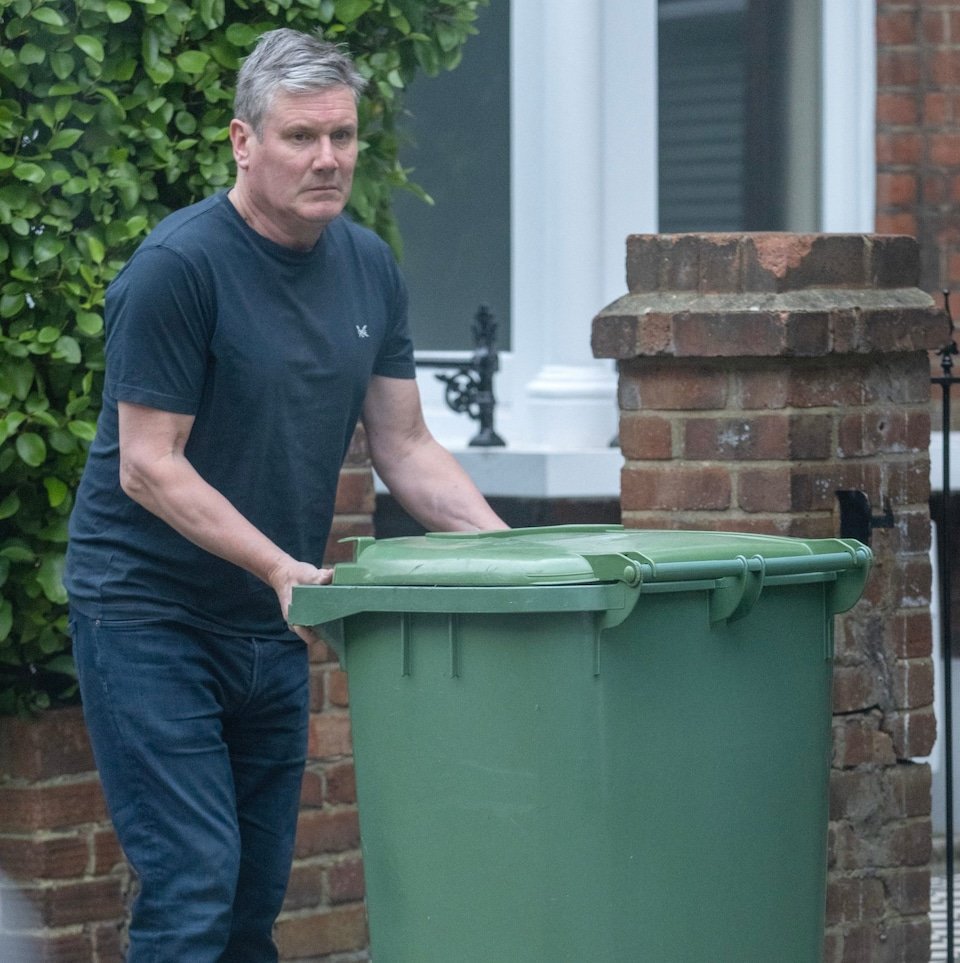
59, 853
759, 374
918, 131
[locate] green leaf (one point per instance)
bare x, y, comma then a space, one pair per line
48, 334
46, 247
31, 448
241, 35
64, 138
91, 46
10, 505
118, 11
6, 619
11, 304
161, 71
31, 173
17, 551
68, 350
21, 375
49, 16
56, 491
193, 61
30, 53
50, 577
84, 430
89, 323
350, 10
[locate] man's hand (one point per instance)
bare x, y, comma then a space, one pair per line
289, 572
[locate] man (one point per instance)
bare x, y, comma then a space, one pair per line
244, 338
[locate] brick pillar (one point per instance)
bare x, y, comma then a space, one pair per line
60, 857
759, 374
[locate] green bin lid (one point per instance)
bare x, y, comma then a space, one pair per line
577, 568
577, 554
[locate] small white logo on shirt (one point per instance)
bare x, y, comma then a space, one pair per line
362, 331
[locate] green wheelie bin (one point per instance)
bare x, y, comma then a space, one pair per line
591, 744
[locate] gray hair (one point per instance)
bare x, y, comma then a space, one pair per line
296, 62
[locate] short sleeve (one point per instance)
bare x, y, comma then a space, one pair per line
159, 319
395, 359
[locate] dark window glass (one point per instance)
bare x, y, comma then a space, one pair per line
457, 252
722, 111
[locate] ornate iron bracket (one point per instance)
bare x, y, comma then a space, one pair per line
470, 387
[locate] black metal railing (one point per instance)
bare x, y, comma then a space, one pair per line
470, 387
945, 577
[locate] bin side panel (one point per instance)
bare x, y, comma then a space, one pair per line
515, 804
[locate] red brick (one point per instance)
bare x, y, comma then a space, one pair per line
909, 891
80, 901
908, 844
683, 488
912, 733
896, 190
912, 683
934, 26
52, 744
907, 788
896, 27
305, 887
646, 437
52, 806
911, 635
944, 67
897, 148
338, 689
897, 109
39, 857
937, 108
764, 489
345, 881
856, 687
898, 68
672, 387
857, 741
764, 437
107, 854
856, 794
311, 789
355, 493
852, 899
896, 223
315, 935
358, 454
329, 735
341, 783
322, 831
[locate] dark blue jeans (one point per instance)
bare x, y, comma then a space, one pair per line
200, 740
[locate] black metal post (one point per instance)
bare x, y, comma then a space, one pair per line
945, 573
470, 386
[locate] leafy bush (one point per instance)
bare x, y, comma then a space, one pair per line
112, 114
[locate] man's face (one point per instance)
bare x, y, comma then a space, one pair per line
296, 177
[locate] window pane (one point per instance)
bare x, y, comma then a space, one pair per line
702, 117
457, 252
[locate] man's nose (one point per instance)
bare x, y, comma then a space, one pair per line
325, 157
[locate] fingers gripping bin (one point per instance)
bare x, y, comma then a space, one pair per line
591, 743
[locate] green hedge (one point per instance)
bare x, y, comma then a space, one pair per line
112, 114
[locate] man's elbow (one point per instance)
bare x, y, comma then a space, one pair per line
134, 479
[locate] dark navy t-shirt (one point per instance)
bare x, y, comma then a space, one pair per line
271, 351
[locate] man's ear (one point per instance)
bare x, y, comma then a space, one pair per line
240, 134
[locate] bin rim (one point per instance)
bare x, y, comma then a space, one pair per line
413, 574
